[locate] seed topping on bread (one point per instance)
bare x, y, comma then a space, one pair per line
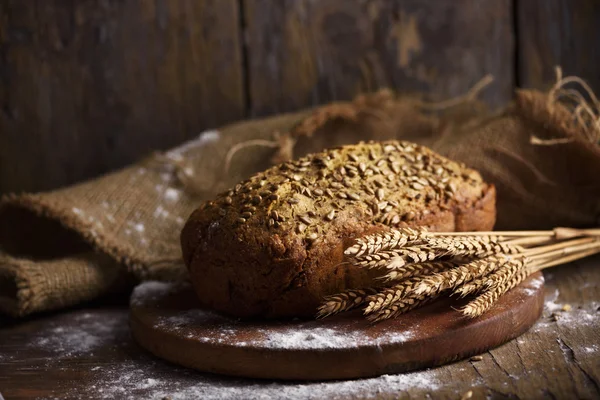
390, 181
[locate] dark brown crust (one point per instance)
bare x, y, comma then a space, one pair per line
248, 271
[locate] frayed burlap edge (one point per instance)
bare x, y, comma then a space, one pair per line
33, 286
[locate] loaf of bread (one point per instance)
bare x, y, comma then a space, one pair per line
273, 245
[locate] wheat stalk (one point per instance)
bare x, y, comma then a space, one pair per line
486, 300
417, 266
345, 301
458, 275
473, 246
412, 270
377, 242
386, 297
399, 307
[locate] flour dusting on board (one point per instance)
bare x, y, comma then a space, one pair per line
300, 335
303, 337
534, 285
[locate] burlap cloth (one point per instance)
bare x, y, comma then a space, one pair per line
75, 244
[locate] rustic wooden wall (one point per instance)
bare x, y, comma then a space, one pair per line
558, 32
303, 52
89, 86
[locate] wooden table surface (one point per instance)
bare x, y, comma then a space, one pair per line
88, 353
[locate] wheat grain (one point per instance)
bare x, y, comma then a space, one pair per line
412, 270
400, 307
472, 246
459, 275
488, 298
473, 287
344, 301
390, 295
392, 239
397, 258
505, 273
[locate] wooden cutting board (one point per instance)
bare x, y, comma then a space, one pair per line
166, 320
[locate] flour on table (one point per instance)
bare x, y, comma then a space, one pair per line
550, 304
144, 376
130, 381
67, 341
591, 349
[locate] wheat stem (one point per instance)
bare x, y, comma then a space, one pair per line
567, 259
562, 248
416, 266
556, 232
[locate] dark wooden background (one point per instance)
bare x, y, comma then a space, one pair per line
92, 85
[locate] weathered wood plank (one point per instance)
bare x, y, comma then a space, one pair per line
90, 353
86, 87
558, 32
303, 52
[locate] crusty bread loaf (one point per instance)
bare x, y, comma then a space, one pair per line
273, 245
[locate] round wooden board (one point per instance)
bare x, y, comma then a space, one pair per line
166, 320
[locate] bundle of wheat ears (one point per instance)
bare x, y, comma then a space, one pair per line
418, 266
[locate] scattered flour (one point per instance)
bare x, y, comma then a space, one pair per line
281, 335
550, 305
172, 194
136, 226
130, 381
301, 337
578, 317
591, 349
77, 211
67, 341
160, 212
534, 285
166, 176
203, 139
143, 376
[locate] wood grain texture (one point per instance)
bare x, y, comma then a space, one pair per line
173, 327
558, 32
303, 52
555, 359
87, 87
